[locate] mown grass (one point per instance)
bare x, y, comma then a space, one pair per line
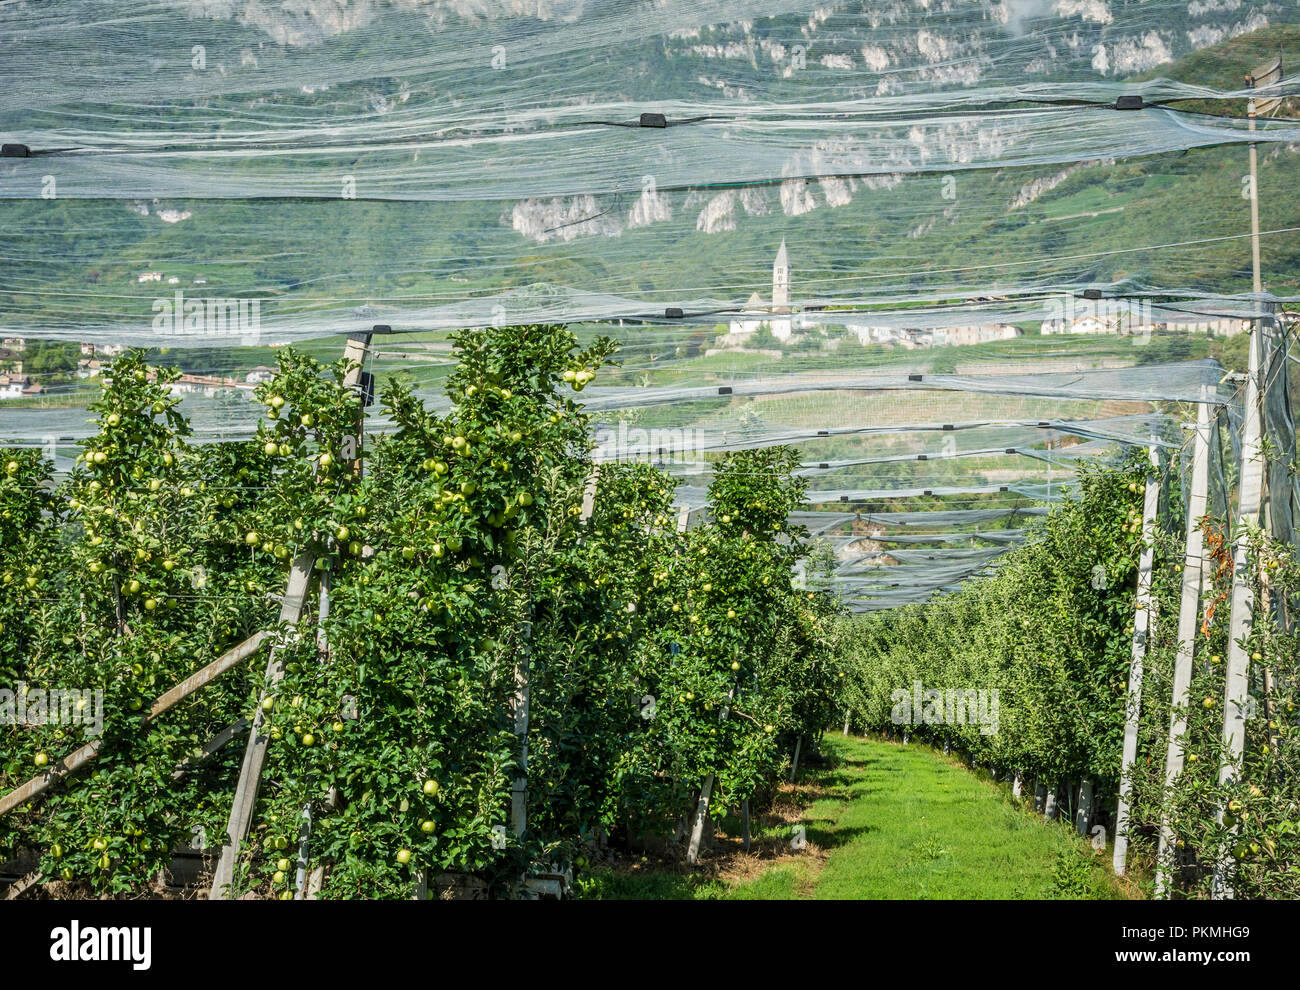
889, 822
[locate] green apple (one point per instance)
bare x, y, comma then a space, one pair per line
431, 788
403, 856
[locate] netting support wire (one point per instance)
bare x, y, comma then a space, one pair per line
1241, 620
1141, 635
291, 609
1188, 610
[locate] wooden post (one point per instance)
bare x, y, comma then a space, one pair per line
1083, 814
794, 765
1017, 784
701, 816
683, 518
1188, 612
1141, 633
250, 772
1040, 795
355, 354
1050, 807
519, 790
1236, 687
589, 493
846, 721
702, 808
304, 848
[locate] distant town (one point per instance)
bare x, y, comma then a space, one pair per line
777, 319
1079, 317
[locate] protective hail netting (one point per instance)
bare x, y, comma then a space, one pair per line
946, 248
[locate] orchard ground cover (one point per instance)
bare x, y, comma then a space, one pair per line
883, 821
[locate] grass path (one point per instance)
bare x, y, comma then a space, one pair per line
883, 821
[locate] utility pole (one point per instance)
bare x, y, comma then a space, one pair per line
1268, 74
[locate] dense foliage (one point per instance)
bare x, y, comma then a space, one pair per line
1052, 632
454, 563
